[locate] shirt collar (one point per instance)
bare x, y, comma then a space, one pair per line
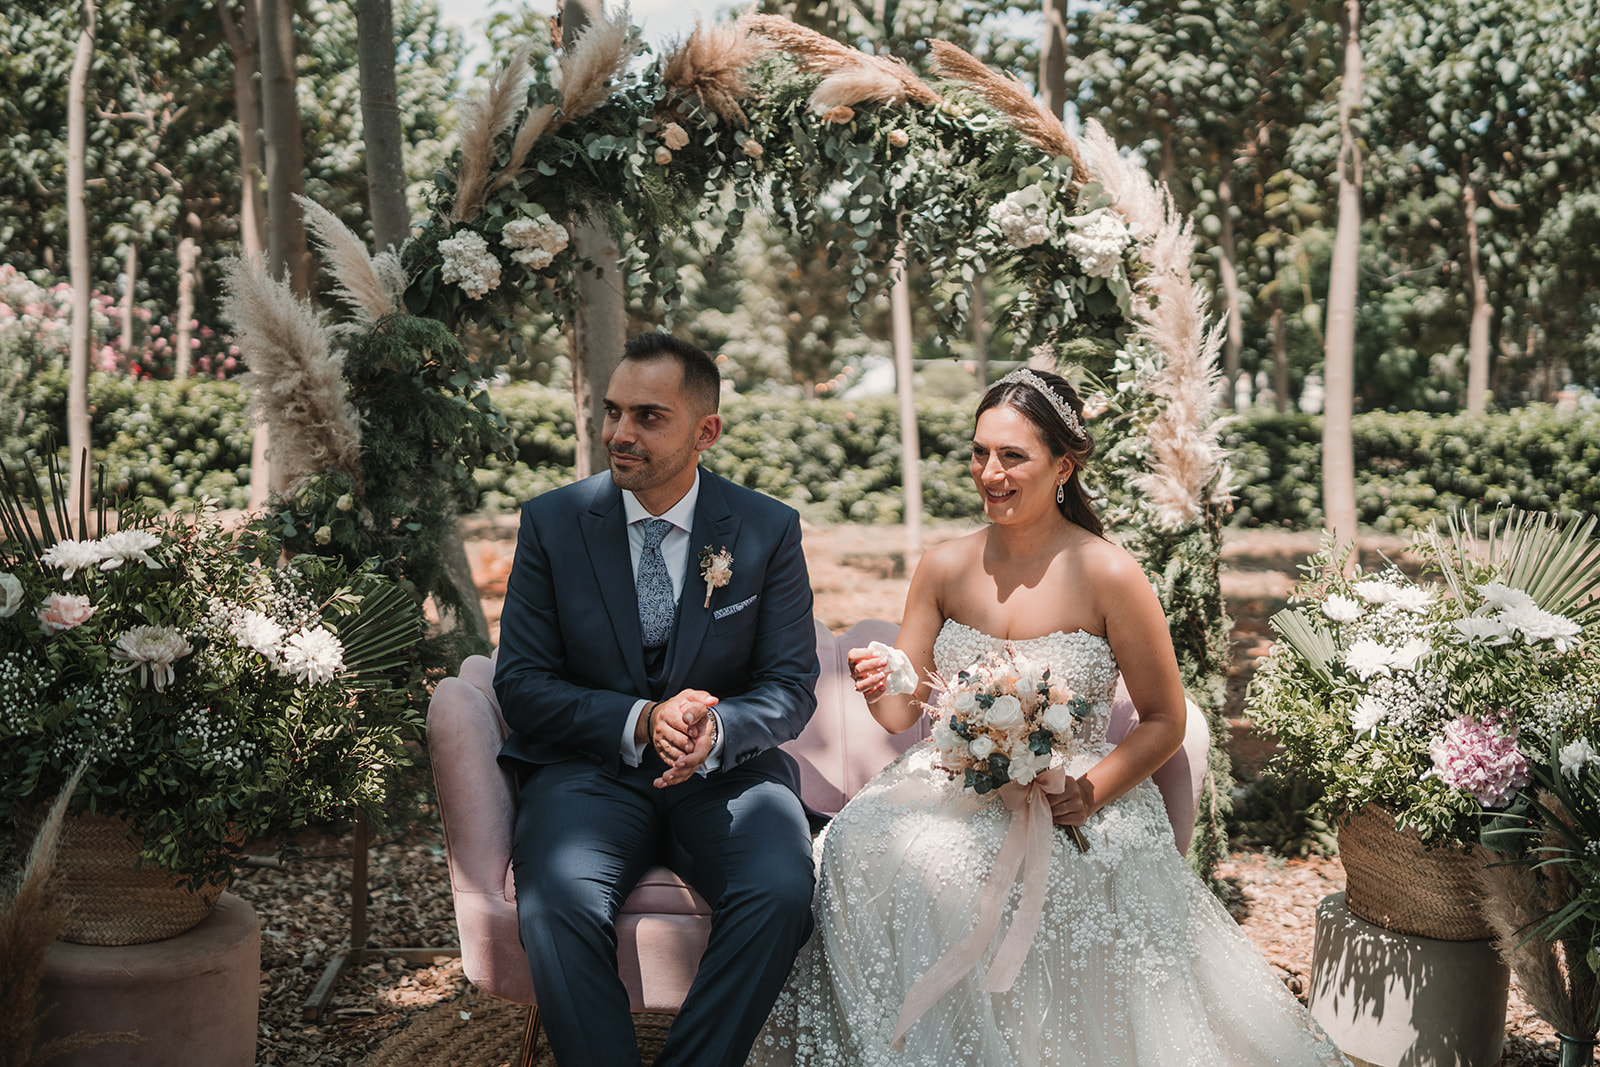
680, 514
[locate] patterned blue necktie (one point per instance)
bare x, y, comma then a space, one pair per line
654, 586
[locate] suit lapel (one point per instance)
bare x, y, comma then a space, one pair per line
716, 526
605, 537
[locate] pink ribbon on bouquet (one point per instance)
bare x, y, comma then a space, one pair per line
1027, 847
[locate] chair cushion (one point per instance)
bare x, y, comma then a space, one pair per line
660, 892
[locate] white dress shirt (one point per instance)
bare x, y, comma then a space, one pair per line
675, 553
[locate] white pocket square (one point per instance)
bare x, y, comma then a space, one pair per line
734, 609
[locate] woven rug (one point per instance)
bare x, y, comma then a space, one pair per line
490, 1035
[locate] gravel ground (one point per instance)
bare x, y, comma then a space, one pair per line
858, 572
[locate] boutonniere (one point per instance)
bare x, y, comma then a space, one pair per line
716, 568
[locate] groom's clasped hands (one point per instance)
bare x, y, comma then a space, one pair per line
679, 729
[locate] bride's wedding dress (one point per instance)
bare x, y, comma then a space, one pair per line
1134, 962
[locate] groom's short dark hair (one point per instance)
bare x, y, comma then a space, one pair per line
702, 384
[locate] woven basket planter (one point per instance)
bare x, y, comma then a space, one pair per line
112, 900
1394, 881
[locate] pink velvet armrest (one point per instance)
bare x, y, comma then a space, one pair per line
1181, 778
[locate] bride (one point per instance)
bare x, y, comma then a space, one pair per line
1133, 961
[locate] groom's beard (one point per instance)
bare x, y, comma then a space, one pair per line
655, 470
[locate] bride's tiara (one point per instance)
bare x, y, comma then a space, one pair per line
1068, 416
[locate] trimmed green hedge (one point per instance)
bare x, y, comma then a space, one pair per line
1412, 467
839, 461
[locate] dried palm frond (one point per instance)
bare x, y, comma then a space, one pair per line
295, 378
482, 120
1509, 895
371, 286
711, 66
1008, 96
593, 63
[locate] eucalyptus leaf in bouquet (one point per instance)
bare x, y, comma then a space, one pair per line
1435, 698
220, 695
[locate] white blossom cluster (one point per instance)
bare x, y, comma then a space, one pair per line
1508, 613
1098, 240
535, 243
308, 651
22, 678
1023, 217
108, 553
107, 732
469, 263
1415, 701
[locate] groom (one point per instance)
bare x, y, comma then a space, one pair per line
645, 706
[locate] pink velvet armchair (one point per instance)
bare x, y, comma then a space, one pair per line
663, 926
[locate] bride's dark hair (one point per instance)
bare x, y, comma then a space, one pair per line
1074, 443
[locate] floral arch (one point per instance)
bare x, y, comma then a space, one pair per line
969, 175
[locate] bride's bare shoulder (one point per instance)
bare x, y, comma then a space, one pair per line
1110, 563
951, 557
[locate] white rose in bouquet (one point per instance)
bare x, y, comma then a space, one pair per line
1005, 713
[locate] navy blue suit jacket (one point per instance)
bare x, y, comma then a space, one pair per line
571, 664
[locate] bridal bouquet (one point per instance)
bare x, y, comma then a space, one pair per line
1002, 720
1437, 699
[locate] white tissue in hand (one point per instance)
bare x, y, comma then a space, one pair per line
902, 675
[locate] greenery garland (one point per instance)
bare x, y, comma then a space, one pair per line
974, 178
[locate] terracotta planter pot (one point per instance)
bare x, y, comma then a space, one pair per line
112, 900
1394, 881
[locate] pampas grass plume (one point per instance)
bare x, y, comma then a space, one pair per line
296, 383
482, 120
594, 62
30, 919
711, 66
1011, 98
371, 286
1509, 893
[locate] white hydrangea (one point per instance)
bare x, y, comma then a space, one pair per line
469, 263
1023, 217
313, 655
536, 242
1098, 240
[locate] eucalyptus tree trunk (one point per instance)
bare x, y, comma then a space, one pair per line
1280, 353
1053, 58
910, 446
287, 252
979, 310
78, 244
600, 324
188, 253
380, 124
1482, 310
1233, 340
1338, 449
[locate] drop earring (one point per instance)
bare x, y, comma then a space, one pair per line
1061, 492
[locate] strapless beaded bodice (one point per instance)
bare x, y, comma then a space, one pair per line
1080, 659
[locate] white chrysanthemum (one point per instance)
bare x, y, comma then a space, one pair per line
313, 655
1375, 592
1406, 656
73, 556
1573, 756
1022, 217
260, 632
469, 263
1098, 240
1490, 630
1367, 658
11, 595
1537, 624
1366, 716
1412, 598
152, 649
1341, 608
127, 546
535, 242
1499, 597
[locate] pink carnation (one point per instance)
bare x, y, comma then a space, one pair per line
1477, 757
63, 611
